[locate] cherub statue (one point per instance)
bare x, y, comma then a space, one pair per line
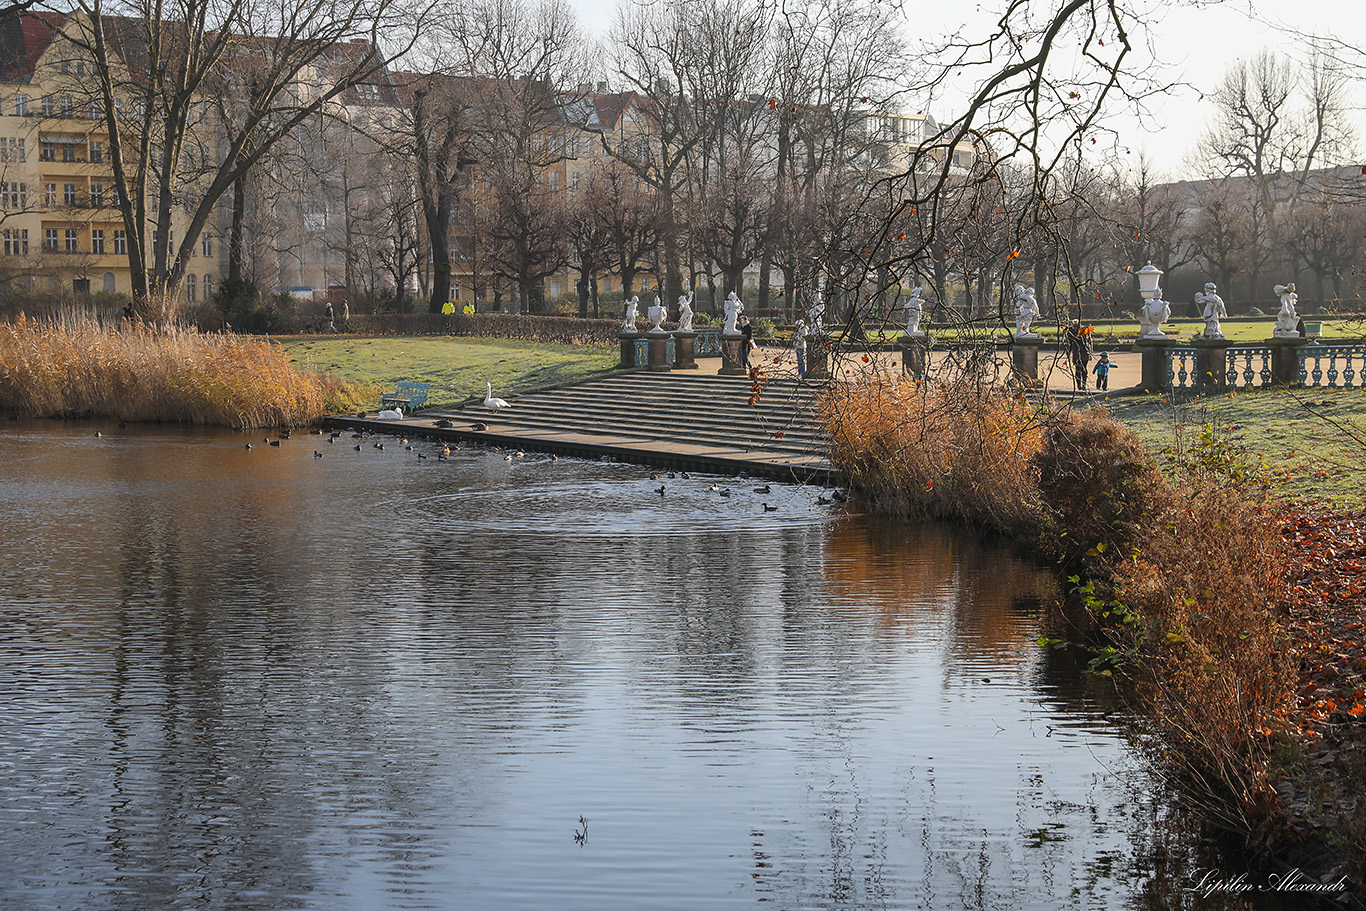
1212, 309
685, 312
915, 309
632, 308
1026, 311
814, 316
733, 310
1287, 321
657, 315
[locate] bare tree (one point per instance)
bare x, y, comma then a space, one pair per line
156, 68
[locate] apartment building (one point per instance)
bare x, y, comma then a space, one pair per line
60, 225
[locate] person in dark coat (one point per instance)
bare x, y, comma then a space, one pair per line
1078, 348
747, 330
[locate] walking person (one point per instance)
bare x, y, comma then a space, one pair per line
1078, 347
327, 318
747, 330
1102, 372
799, 334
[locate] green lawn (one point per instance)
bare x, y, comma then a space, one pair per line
456, 368
1314, 440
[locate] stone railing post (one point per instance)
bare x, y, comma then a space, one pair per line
659, 351
685, 349
1211, 363
914, 354
1024, 358
628, 347
732, 354
1285, 360
1156, 363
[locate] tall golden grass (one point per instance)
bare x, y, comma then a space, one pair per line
951, 451
139, 373
1176, 581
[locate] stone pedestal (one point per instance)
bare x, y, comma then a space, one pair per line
1211, 363
685, 350
732, 355
659, 351
914, 353
1285, 360
1156, 363
1024, 357
628, 348
817, 357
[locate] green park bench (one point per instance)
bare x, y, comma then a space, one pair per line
408, 396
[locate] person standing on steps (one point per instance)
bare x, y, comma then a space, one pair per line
747, 330
799, 334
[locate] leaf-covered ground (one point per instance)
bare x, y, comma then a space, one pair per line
1324, 617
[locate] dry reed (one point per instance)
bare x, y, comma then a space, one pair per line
144, 374
954, 451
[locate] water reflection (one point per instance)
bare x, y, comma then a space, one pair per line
255, 678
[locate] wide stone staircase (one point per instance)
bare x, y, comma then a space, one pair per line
676, 420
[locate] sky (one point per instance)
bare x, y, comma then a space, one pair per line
1195, 45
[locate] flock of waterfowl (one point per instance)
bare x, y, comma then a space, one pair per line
441, 450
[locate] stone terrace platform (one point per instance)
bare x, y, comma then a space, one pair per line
688, 422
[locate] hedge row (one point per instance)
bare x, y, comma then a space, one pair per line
557, 330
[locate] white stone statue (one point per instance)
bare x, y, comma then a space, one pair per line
632, 308
733, 310
915, 309
685, 312
1212, 309
815, 316
1026, 311
1287, 321
657, 315
1152, 315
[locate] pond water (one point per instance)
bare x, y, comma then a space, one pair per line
256, 678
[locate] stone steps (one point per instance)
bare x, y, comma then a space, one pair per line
689, 421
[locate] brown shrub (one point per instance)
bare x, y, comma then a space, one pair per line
1102, 489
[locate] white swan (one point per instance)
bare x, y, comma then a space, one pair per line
390, 414
492, 401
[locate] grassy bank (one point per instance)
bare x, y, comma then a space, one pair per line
456, 368
139, 374
1313, 441
1177, 560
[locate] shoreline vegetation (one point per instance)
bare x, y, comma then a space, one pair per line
1228, 619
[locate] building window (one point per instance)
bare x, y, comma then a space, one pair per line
50, 195
73, 240
14, 195
20, 105
68, 151
66, 67
69, 194
121, 243
97, 195
96, 151
68, 108
97, 241
47, 150
97, 110
208, 287
574, 180
47, 106
16, 242
208, 249
50, 239
554, 180
191, 290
